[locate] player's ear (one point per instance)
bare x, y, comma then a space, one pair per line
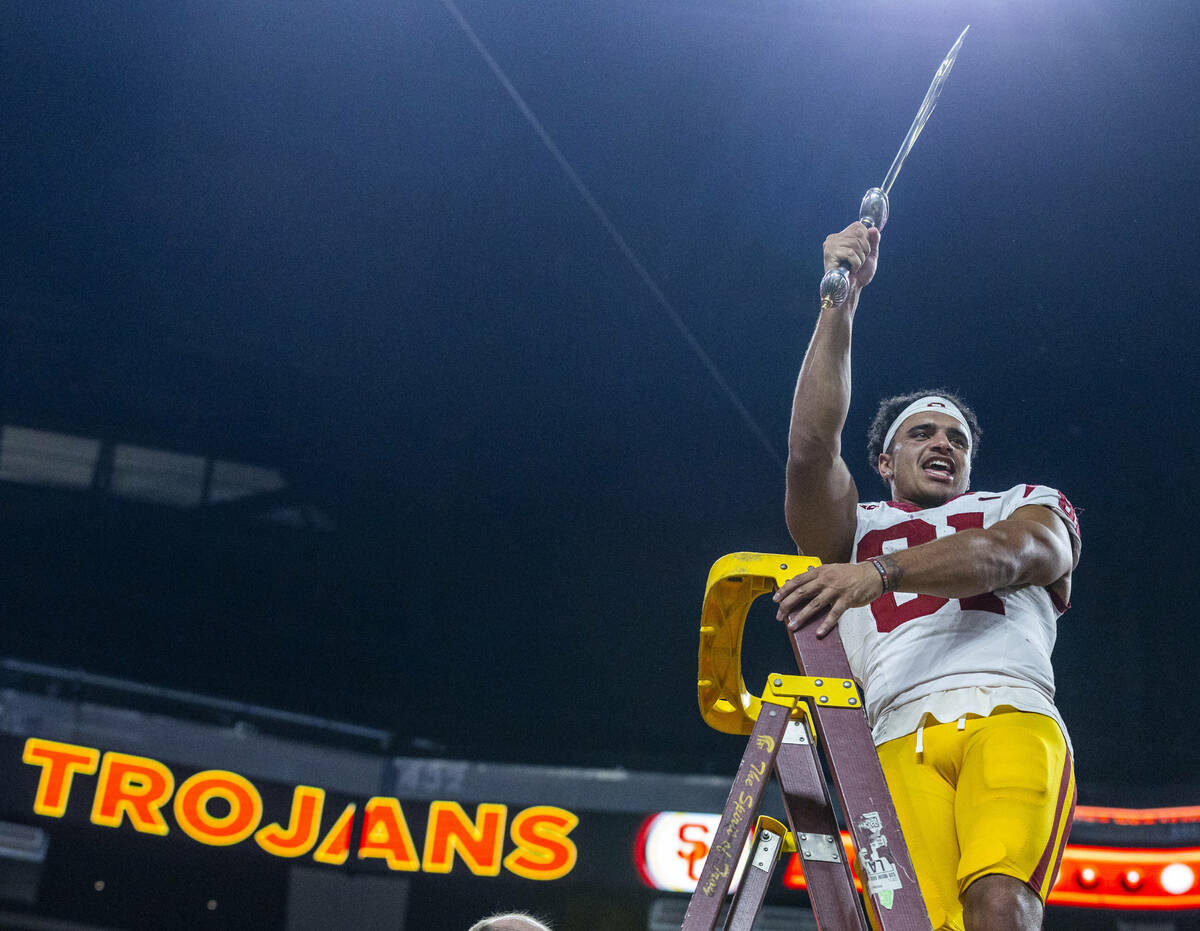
884, 466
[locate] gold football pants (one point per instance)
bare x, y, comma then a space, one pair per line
979, 796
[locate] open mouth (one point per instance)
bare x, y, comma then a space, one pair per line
939, 469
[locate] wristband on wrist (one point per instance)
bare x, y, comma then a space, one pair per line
883, 575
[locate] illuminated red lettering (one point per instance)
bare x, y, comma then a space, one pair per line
334, 849
543, 849
699, 848
301, 833
135, 787
385, 835
237, 792
222, 808
59, 762
478, 842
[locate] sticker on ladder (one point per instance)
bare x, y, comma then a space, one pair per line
878, 872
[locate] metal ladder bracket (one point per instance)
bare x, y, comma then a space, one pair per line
825, 848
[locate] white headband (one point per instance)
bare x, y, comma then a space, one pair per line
932, 402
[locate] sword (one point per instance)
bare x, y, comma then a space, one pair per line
873, 211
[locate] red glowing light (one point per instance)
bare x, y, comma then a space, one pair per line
1124, 878
1131, 879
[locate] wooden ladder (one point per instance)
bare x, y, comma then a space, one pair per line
796, 721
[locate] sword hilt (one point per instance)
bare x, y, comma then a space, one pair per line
835, 286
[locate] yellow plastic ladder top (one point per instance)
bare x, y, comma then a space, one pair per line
733, 583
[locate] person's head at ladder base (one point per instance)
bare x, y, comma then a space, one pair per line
509, 921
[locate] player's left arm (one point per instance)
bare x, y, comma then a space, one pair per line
1030, 547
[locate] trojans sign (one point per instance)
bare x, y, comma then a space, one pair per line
220, 808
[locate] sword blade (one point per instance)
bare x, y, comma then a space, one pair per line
927, 105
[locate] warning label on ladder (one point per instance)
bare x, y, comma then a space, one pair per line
878, 872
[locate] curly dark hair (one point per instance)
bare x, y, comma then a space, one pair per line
889, 408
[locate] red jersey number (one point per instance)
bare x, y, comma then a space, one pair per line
890, 614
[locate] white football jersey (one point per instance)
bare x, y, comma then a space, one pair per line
919, 655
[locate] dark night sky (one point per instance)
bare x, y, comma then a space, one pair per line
319, 236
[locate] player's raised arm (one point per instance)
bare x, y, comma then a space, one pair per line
821, 496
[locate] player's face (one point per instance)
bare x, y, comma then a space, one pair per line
929, 463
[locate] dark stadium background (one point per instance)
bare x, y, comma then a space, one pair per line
486, 436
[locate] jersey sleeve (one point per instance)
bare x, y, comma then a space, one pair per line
1055, 500
867, 516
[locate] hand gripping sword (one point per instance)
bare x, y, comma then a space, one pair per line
835, 286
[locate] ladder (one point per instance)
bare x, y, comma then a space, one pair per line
794, 716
